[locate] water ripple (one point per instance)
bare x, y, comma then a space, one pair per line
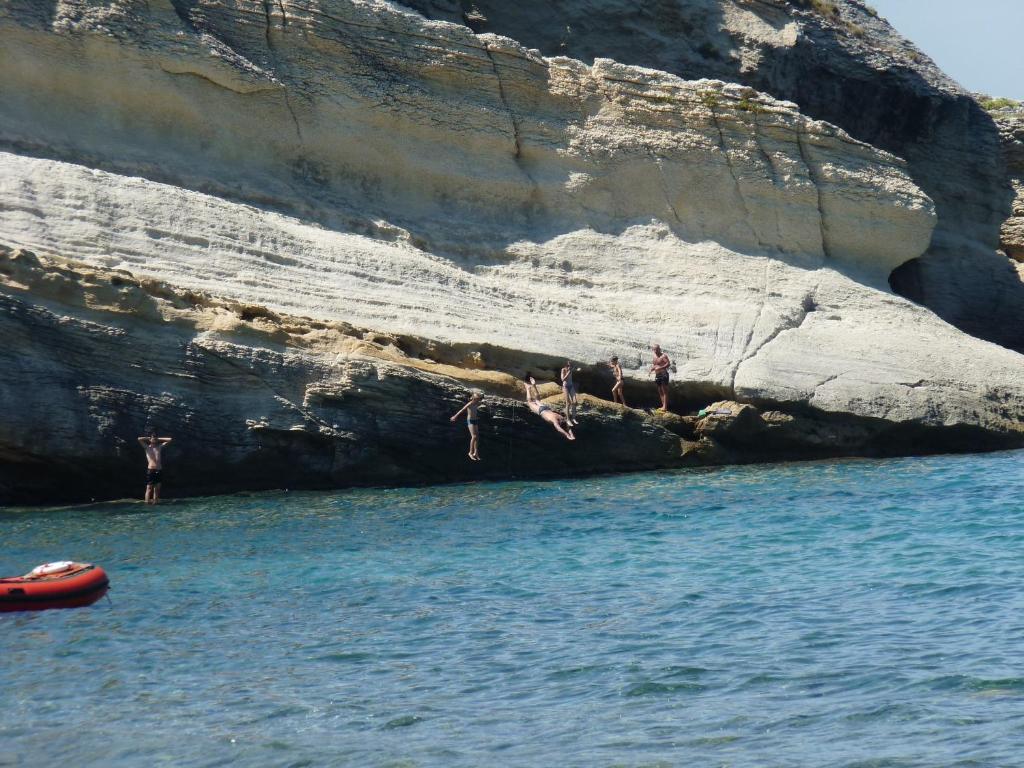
849, 613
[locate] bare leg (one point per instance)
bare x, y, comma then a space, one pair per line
149, 493
617, 394
663, 393
156, 493
474, 442
556, 422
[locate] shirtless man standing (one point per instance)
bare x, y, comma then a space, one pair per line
660, 368
153, 446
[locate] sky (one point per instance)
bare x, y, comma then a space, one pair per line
979, 43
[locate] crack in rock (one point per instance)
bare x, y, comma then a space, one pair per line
828, 380
664, 184
518, 152
807, 306
504, 100
310, 416
760, 313
765, 157
735, 178
272, 51
816, 181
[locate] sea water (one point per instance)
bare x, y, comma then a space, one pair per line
849, 613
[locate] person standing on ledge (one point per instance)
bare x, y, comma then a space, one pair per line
660, 367
618, 393
569, 392
472, 423
154, 447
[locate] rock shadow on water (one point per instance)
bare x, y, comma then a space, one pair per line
657, 688
403, 721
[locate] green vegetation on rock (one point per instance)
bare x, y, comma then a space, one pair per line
750, 105
992, 104
827, 8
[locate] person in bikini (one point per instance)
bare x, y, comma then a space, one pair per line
618, 394
544, 411
472, 423
154, 447
660, 368
569, 393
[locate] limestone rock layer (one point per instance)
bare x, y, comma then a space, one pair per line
350, 161
1011, 130
257, 399
840, 62
357, 115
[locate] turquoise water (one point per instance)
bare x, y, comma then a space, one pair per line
851, 613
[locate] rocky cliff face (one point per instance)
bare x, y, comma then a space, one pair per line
1010, 121
350, 164
839, 62
256, 399
372, 120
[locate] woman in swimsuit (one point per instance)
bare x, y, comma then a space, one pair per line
569, 393
472, 423
544, 411
618, 394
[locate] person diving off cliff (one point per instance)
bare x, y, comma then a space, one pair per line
546, 412
472, 423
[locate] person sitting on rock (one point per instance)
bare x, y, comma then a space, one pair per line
660, 368
569, 393
473, 423
154, 447
618, 394
544, 411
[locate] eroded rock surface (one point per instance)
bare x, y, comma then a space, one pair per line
256, 399
476, 206
361, 117
253, 399
840, 62
1011, 130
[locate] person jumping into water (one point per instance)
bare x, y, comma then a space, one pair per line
618, 394
544, 411
154, 447
660, 367
569, 393
472, 423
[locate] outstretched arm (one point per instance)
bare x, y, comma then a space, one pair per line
165, 440
143, 441
461, 411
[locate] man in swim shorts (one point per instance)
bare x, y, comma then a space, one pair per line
660, 368
473, 423
154, 447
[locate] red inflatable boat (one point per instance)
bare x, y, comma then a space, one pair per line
54, 585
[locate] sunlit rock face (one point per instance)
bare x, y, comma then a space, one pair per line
356, 162
840, 62
1010, 121
256, 399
